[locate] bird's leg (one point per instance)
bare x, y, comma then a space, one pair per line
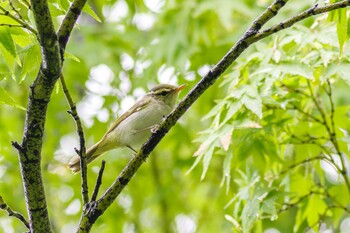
155, 127
131, 148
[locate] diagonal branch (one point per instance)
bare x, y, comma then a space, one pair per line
68, 23
250, 36
315, 10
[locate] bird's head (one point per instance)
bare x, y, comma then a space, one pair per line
166, 93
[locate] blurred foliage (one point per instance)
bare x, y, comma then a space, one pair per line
266, 162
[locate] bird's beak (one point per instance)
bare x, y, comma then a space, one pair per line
179, 88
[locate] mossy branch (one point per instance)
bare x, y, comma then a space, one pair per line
30, 149
68, 23
251, 36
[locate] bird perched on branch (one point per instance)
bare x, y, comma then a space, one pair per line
134, 127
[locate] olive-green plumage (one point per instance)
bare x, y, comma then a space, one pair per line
134, 127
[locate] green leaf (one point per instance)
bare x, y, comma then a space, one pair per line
226, 176
7, 41
233, 109
300, 185
300, 217
296, 69
253, 104
31, 61
55, 9
206, 160
87, 9
68, 55
9, 59
341, 69
5, 98
63, 5
315, 208
250, 214
342, 29
234, 222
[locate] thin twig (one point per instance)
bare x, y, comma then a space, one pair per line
332, 134
98, 181
308, 160
82, 151
21, 22
294, 107
12, 213
16, 11
286, 206
295, 90
11, 25
315, 10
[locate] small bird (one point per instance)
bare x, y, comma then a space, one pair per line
134, 127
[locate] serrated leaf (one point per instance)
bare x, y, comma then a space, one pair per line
214, 111
196, 162
232, 110
87, 9
203, 147
249, 214
342, 69
225, 139
254, 105
5, 98
226, 176
206, 160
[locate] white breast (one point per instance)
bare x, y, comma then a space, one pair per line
135, 130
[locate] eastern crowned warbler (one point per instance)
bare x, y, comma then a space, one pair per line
134, 126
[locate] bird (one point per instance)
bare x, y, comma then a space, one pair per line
136, 125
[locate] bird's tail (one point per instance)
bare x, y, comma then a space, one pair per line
91, 155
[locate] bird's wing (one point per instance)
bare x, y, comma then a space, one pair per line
135, 108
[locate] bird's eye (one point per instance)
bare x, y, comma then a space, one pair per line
163, 93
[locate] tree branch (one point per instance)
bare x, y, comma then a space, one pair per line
20, 20
315, 10
68, 23
82, 151
39, 97
250, 36
12, 213
308, 160
98, 181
